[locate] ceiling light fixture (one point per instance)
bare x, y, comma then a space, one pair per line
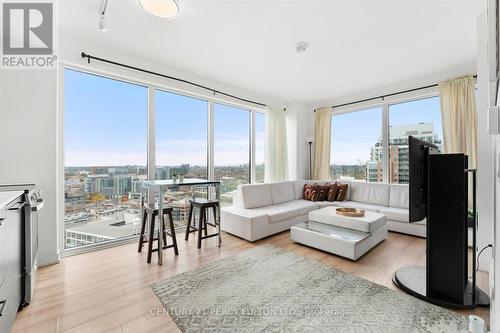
165, 9
102, 19
301, 47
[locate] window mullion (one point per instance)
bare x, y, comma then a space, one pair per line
252, 146
385, 143
210, 153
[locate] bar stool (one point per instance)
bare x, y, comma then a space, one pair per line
203, 205
150, 215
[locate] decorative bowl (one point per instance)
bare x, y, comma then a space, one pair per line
352, 212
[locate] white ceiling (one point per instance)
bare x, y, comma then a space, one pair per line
356, 45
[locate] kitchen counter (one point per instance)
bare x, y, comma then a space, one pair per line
9, 196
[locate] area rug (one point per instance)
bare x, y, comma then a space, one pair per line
268, 289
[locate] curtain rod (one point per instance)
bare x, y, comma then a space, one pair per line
215, 91
388, 95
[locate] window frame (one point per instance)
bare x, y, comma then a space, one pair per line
384, 103
152, 86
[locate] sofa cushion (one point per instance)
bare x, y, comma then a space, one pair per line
396, 214
287, 210
361, 205
254, 195
371, 193
328, 203
249, 214
282, 192
399, 196
298, 189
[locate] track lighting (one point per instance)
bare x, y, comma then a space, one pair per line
102, 19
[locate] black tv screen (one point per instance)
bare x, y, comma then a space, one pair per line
418, 152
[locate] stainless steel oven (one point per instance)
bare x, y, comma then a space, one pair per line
34, 203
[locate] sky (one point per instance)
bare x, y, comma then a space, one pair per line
353, 134
106, 124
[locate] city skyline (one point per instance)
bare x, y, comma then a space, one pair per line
354, 133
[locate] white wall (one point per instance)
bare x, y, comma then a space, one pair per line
485, 166
300, 124
27, 143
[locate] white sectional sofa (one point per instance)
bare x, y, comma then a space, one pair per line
261, 210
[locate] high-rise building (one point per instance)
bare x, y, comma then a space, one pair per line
399, 152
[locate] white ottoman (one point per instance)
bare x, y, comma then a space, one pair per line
349, 237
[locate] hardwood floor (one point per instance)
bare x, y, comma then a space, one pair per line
108, 290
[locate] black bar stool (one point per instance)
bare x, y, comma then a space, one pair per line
151, 214
203, 205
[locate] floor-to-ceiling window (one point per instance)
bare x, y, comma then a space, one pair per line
105, 143
231, 149
260, 144
420, 118
356, 145
106, 137
371, 144
181, 145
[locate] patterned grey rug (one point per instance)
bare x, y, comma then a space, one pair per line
268, 289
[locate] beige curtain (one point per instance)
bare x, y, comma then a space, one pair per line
276, 154
321, 165
458, 110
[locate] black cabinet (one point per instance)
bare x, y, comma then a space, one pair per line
11, 262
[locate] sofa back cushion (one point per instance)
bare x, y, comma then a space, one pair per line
298, 189
399, 196
371, 193
254, 195
282, 192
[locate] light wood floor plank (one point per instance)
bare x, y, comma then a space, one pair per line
108, 290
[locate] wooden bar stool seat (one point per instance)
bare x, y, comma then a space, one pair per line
203, 205
150, 216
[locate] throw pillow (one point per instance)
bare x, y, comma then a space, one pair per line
323, 192
315, 195
308, 191
333, 192
342, 191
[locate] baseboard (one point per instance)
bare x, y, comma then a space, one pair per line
50, 259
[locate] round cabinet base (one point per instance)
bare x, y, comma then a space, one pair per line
412, 280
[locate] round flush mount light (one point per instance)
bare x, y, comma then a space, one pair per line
301, 47
165, 9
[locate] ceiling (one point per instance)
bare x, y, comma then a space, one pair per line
355, 45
